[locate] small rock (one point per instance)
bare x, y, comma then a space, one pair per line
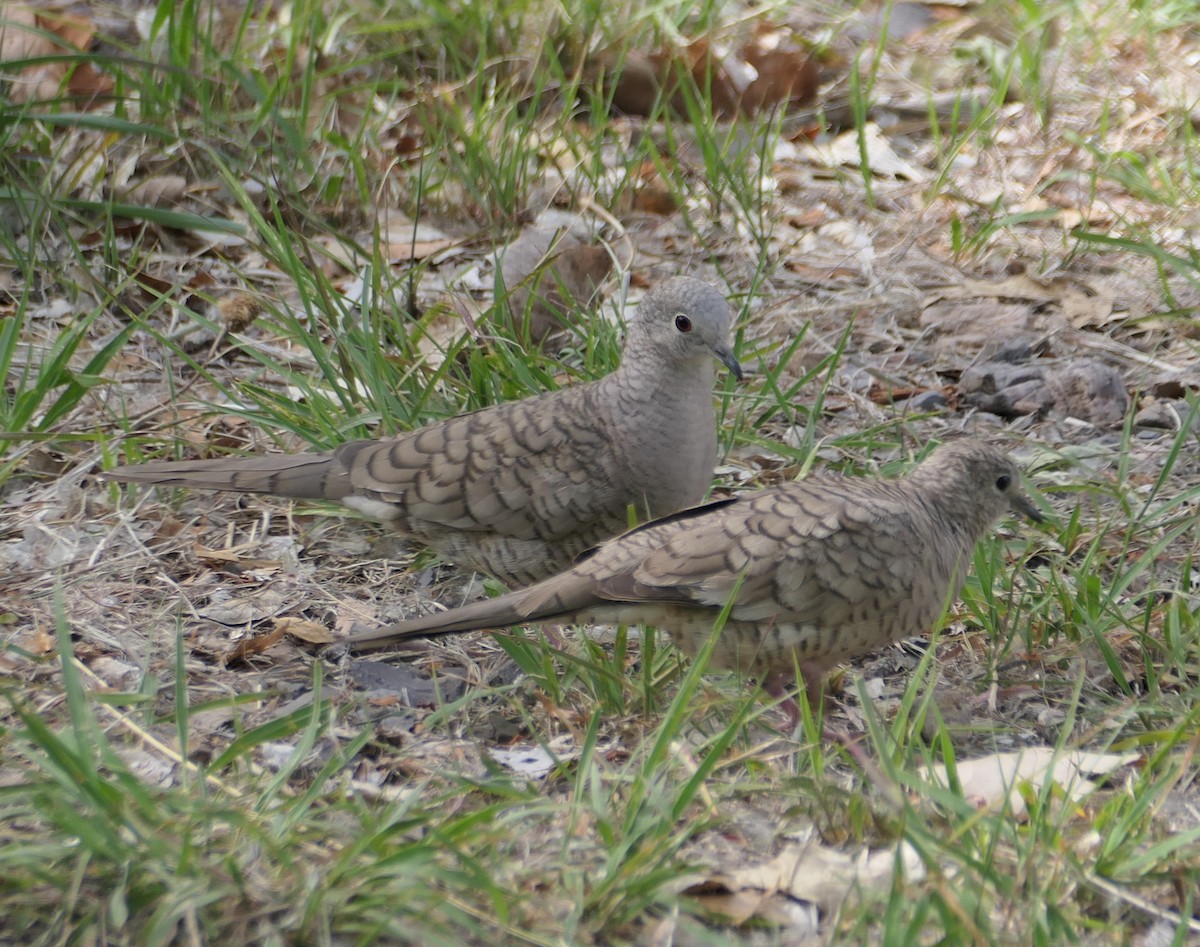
1158, 415
932, 400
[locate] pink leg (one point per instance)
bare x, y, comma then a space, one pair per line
779, 684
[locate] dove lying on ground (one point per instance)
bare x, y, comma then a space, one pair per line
519, 490
819, 570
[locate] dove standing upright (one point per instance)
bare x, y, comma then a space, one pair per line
518, 490
819, 570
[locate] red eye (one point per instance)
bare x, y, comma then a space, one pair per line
683, 323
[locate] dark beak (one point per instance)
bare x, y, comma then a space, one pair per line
1023, 505
727, 359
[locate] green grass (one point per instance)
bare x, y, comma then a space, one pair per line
306, 814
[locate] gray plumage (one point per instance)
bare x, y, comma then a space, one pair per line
820, 570
519, 490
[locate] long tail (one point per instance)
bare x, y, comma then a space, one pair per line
490, 613
558, 598
307, 476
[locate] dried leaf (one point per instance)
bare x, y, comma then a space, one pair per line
19, 35
243, 609
738, 906
1091, 309
784, 72
652, 195
820, 274
311, 631
638, 83
21, 38
992, 781
39, 641
252, 645
810, 871
164, 190
88, 87
771, 70
406, 251
1020, 286
26, 33
847, 150
119, 675
232, 557
74, 30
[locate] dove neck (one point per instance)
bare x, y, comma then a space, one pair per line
649, 381
671, 451
951, 506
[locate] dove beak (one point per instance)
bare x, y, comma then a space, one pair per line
725, 354
1022, 504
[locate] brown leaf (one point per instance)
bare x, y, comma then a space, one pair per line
820, 274
252, 645
770, 70
1090, 309
809, 218
20, 38
231, 557
168, 528
887, 394
310, 631
638, 81
74, 30
784, 73
26, 33
651, 194
88, 87
39, 641
709, 72
849, 149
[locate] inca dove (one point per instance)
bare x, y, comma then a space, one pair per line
819, 570
519, 490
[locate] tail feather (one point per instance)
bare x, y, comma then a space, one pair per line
490, 613
558, 598
303, 476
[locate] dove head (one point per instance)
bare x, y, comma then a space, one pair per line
975, 482
681, 320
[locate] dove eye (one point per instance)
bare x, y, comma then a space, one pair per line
683, 323
1002, 482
